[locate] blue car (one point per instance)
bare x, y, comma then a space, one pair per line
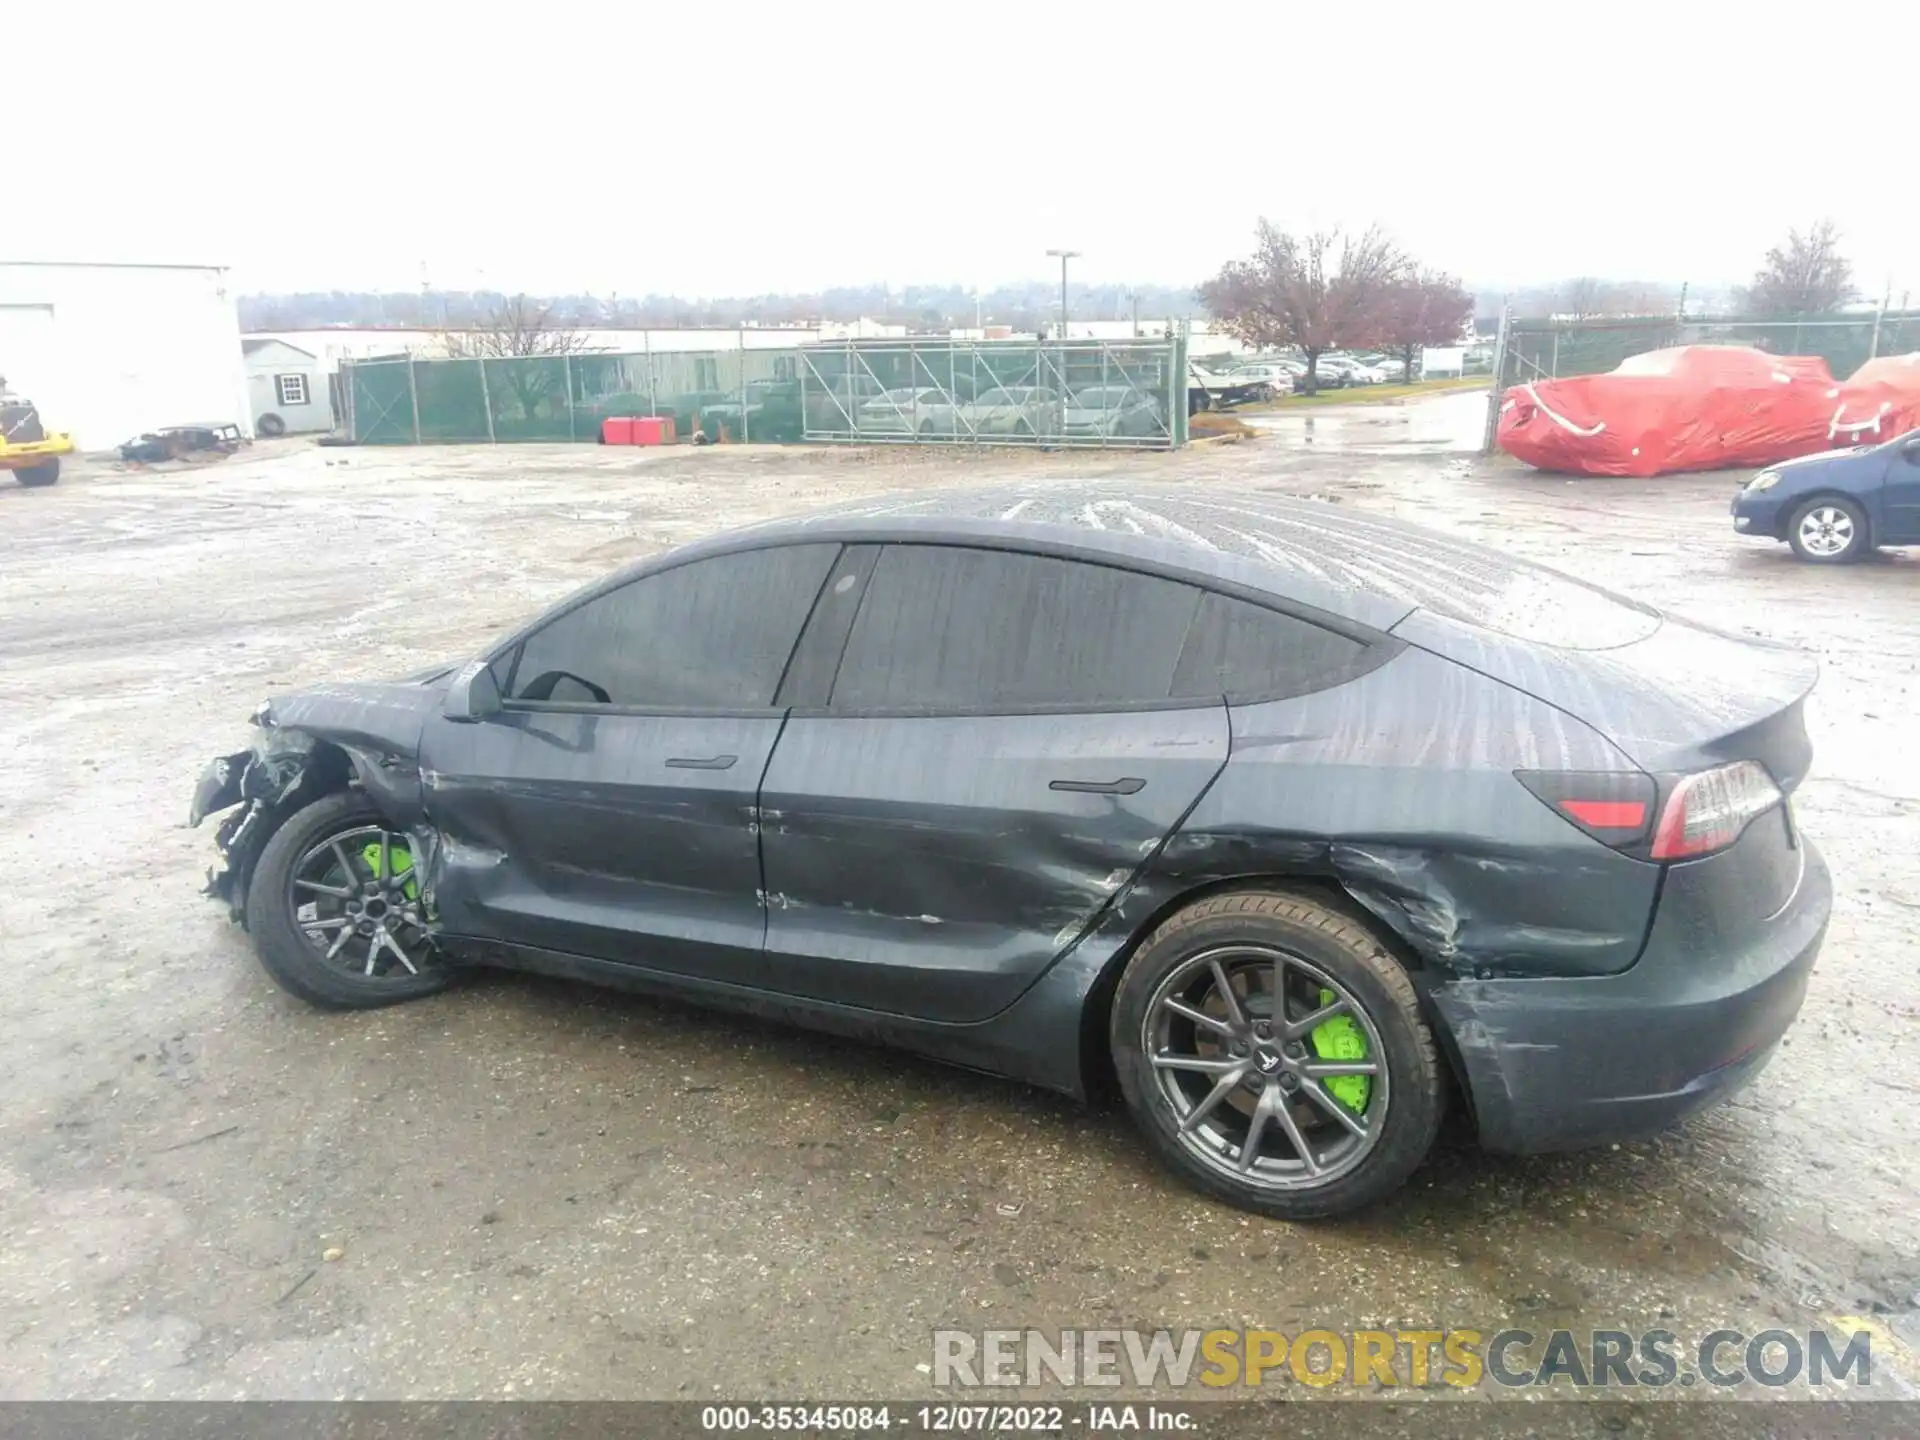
1836, 507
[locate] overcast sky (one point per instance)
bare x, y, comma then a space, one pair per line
748, 147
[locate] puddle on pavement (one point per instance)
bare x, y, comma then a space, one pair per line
1436, 426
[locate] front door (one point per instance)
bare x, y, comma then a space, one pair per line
609, 809
997, 759
621, 837
1900, 499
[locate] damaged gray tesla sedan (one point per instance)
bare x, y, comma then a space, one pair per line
1298, 823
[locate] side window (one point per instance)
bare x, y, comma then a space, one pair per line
1245, 651
714, 634
946, 628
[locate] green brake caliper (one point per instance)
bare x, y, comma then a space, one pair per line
1340, 1039
403, 862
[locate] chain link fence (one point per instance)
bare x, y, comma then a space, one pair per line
724, 394
1548, 350
1103, 394
1092, 393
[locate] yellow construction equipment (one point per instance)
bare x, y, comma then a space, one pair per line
28, 448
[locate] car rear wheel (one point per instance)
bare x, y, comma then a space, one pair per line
336, 912
45, 473
1829, 531
1273, 1055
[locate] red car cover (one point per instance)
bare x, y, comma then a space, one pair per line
1693, 407
1880, 400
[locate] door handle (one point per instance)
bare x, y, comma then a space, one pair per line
1130, 785
710, 762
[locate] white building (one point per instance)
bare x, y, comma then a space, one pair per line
333, 344
287, 387
108, 351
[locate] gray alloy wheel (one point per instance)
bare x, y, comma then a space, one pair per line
1828, 530
1273, 1054
1244, 1041
336, 911
354, 896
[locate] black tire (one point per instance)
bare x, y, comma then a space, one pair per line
1337, 945
1842, 537
271, 426
44, 473
294, 962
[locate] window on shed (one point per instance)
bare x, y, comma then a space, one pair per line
947, 628
1245, 651
711, 635
292, 389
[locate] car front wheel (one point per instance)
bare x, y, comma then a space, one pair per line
336, 912
1273, 1055
1829, 531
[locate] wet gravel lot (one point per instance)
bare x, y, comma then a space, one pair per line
525, 1188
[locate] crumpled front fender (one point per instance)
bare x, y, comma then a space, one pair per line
310, 745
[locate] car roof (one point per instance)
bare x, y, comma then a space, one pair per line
1363, 568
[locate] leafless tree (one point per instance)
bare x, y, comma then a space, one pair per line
1806, 276
1314, 292
517, 327
526, 331
1582, 297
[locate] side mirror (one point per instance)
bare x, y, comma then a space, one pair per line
1910, 447
473, 696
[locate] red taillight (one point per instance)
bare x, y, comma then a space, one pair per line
1613, 806
1607, 814
1708, 811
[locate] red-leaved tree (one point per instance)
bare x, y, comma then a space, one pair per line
1315, 292
1423, 308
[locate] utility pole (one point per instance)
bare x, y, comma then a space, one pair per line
1064, 256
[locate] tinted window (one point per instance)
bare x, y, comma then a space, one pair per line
951, 629
711, 635
1241, 650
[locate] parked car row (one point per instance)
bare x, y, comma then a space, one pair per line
1272, 376
1011, 411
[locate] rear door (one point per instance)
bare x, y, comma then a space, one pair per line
995, 757
608, 811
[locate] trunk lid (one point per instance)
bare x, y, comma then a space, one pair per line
1675, 696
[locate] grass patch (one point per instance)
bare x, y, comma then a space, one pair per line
1370, 394
1218, 423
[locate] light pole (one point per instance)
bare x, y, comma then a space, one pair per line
1064, 256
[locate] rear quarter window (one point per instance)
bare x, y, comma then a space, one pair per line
1245, 652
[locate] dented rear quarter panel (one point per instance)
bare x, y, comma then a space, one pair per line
1424, 824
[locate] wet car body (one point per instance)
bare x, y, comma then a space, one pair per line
969, 880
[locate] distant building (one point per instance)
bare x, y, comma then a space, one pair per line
287, 387
109, 351
334, 344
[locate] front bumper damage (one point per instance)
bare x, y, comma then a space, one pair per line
260, 787
289, 766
